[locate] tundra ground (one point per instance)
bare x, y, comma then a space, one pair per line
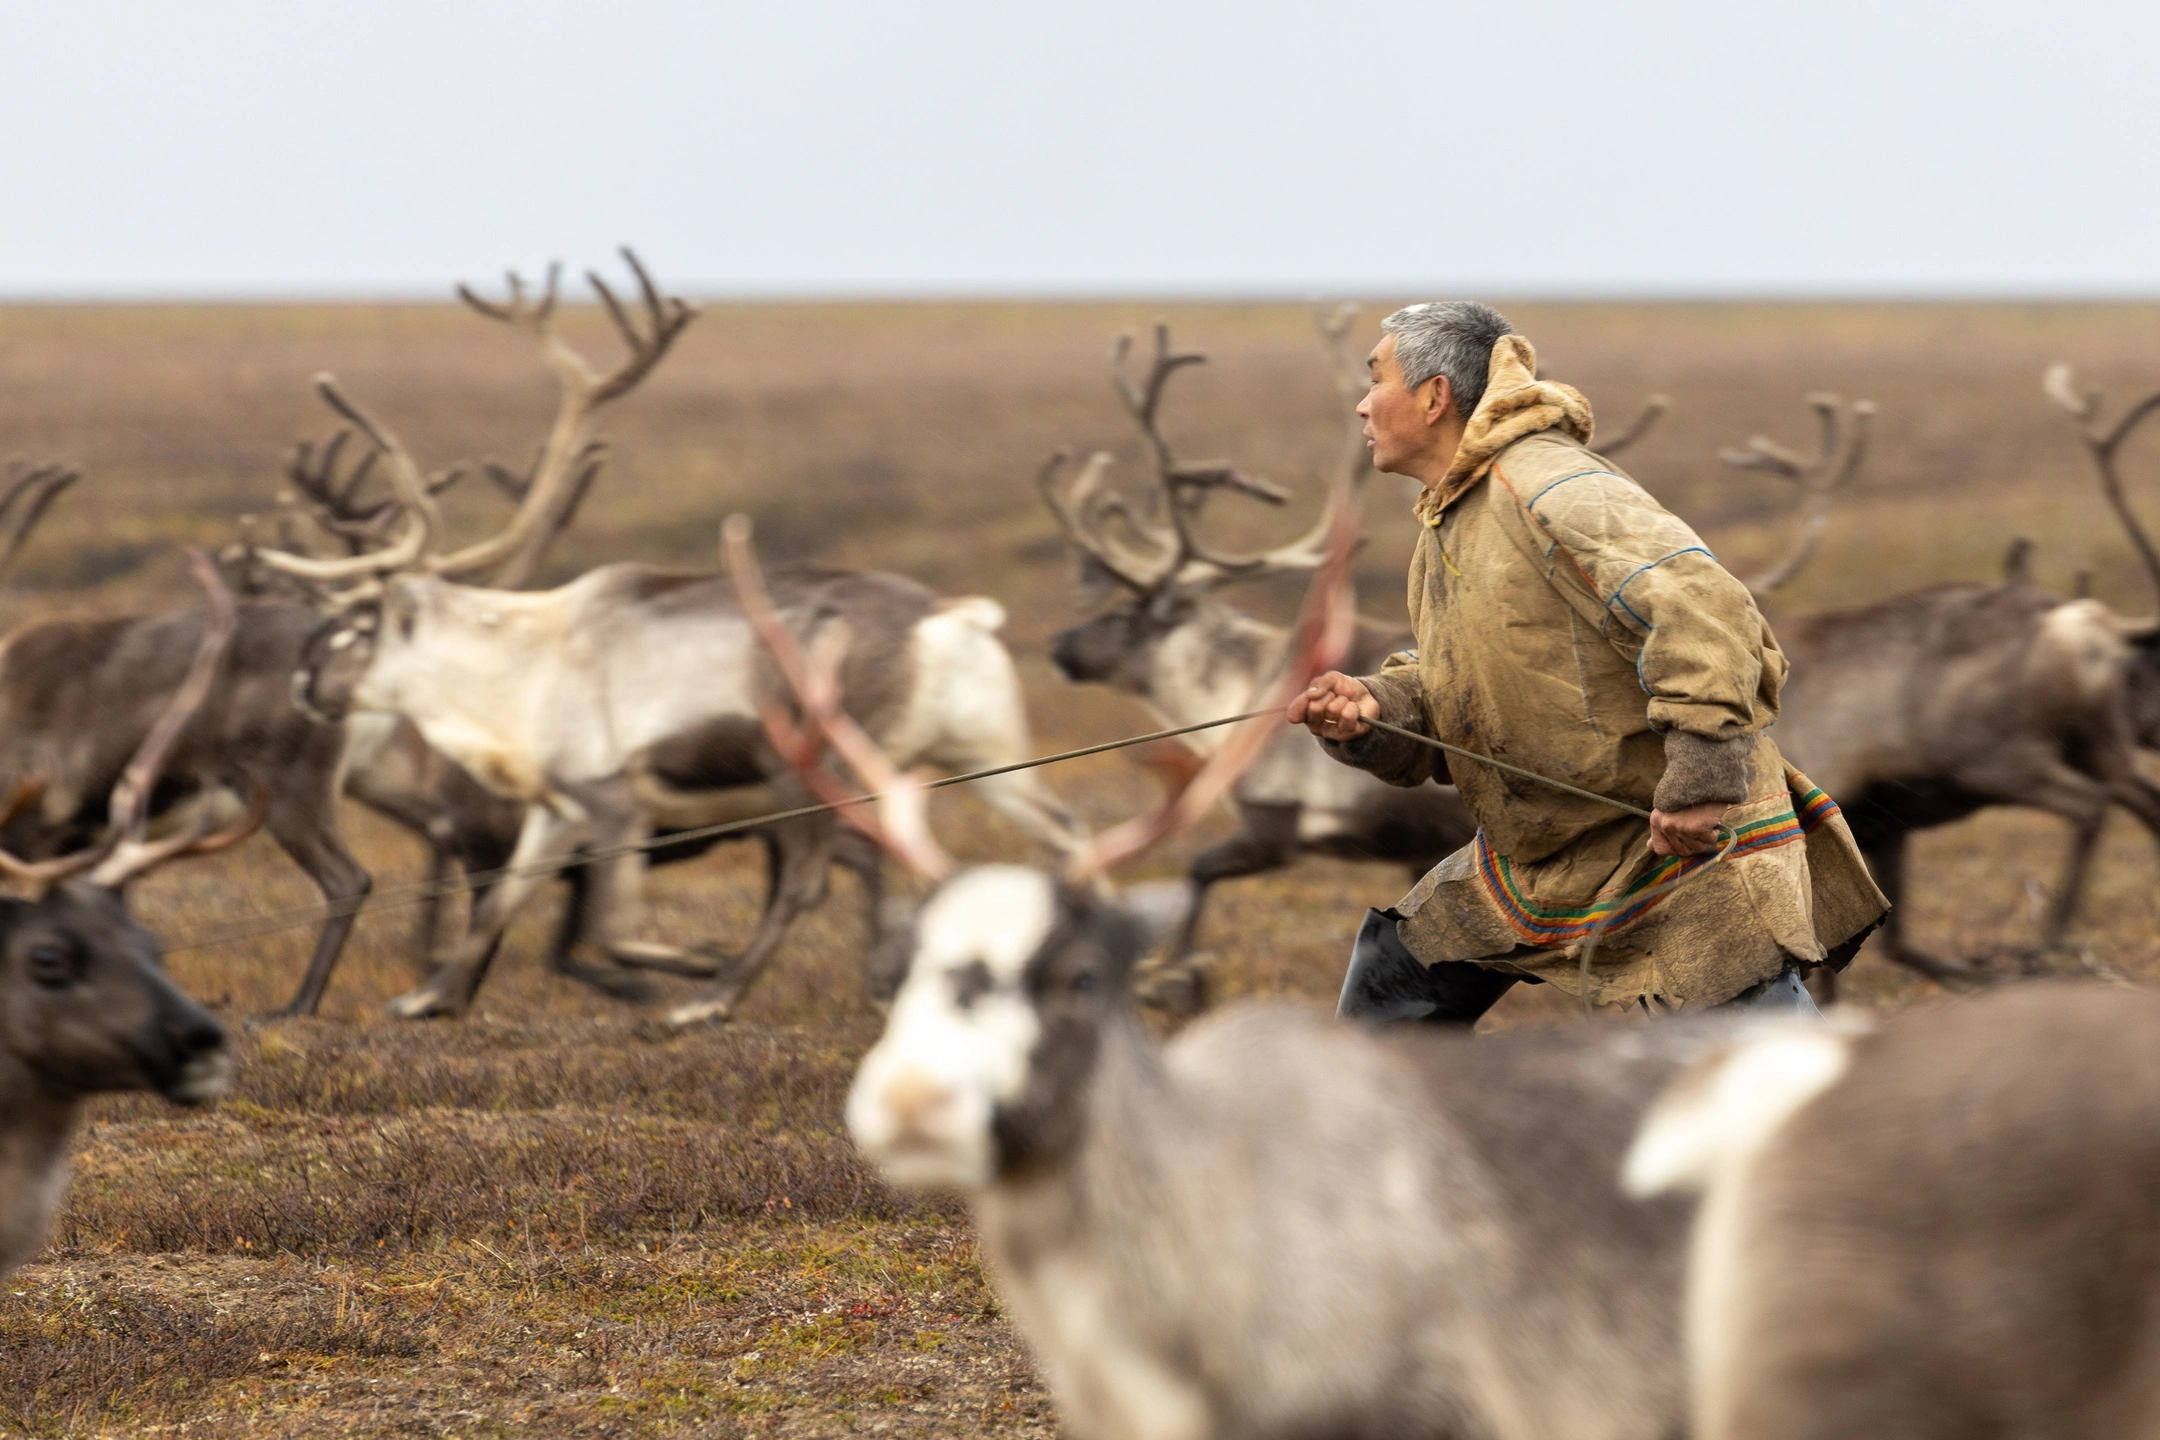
556, 1218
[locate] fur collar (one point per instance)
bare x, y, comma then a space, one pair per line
1516, 404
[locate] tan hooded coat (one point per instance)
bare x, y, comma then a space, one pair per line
1568, 624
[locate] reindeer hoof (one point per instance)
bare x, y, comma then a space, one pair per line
424, 1005
701, 1012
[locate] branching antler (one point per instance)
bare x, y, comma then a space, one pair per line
1130, 545
25, 496
125, 851
549, 493
1841, 447
553, 484
2103, 441
901, 823
1321, 638
1653, 410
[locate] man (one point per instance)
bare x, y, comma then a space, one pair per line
1570, 626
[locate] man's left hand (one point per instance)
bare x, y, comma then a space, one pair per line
1686, 832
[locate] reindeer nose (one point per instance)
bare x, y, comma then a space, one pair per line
914, 1100
195, 1031
1065, 654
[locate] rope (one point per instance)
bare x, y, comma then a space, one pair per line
417, 892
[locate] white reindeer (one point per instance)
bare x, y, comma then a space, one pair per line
626, 700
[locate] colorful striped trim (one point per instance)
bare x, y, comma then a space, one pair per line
1551, 925
1814, 805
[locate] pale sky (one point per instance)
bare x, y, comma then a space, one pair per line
1266, 148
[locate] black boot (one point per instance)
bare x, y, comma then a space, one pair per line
1386, 982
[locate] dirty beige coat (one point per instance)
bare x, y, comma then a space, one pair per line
1568, 624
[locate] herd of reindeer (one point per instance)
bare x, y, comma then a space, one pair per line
1274, 1225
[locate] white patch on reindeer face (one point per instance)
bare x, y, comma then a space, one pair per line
961, 1035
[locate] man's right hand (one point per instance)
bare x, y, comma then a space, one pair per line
1334, 707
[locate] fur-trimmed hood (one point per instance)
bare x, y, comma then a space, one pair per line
1516, 404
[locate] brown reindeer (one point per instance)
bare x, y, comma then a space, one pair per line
1922, 709
85, 1005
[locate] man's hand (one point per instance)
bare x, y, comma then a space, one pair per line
1336, 707
1686, 832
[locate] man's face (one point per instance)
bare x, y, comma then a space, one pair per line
1404, 428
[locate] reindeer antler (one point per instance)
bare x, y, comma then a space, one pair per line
1653, 410
30, 491
125, 851
1820, 478
2060, 385
549, 493
1159, 555
902, 821
1326, 622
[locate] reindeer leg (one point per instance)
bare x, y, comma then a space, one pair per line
1176, 983
578, 910
427, 924
303, 821
545, 838
1885, 855
2069, 892
887, 962
801, 857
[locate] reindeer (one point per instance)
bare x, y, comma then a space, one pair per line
1172, 644
85, 1005
1943, 1227
334, 496
1921, 709
1276, 1226
591, 704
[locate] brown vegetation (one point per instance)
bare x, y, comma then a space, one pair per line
554, 1218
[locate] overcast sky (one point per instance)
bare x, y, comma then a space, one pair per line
1268, 147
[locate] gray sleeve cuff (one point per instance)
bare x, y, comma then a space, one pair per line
1699, 771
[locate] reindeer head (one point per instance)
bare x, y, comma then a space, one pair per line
85, 1004
378, 593
84, 1001
1150, 556
1015, 973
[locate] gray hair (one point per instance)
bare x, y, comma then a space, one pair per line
1447, 337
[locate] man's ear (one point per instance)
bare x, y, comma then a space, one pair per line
1440, 401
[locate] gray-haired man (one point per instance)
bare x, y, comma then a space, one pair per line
1569, 625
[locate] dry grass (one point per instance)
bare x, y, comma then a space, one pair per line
553, 1218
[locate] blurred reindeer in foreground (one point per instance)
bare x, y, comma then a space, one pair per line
1264, 1228
1937, 1229
85, 1005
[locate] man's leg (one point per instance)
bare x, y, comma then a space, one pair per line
1387, 983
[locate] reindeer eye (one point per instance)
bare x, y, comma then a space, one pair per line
52, 965
1084, 981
